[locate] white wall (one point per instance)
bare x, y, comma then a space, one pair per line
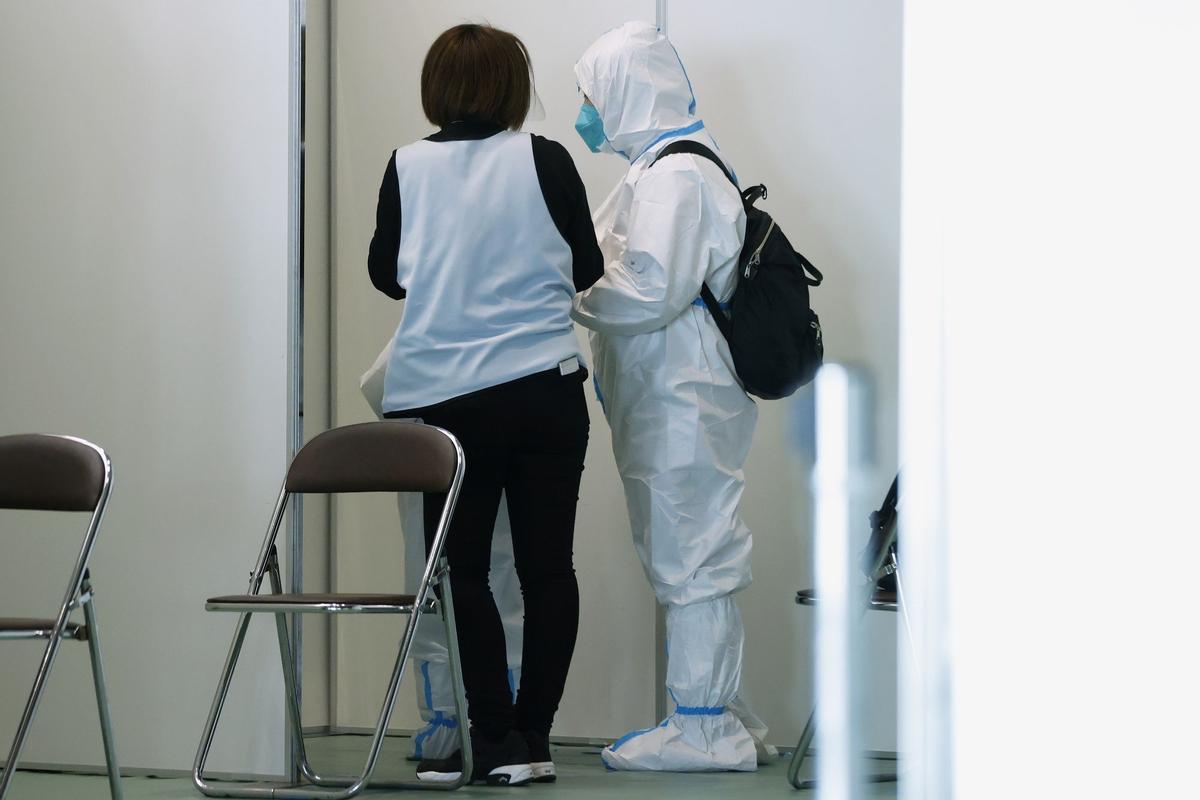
143, 276
803, 97
1050, 258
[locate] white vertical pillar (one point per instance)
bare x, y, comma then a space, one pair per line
925, 679
839, 434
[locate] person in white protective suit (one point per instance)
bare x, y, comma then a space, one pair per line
681, 422
438, 738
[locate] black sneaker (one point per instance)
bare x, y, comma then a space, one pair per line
502, 763
539, 757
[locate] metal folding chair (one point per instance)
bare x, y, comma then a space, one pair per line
881, 566
370, 457
59, 473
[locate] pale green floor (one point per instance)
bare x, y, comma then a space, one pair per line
581, 777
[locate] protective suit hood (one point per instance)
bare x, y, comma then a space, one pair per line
635, 79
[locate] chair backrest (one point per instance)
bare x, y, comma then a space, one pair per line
389, 456
51, 473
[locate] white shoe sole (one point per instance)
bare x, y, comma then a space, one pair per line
439, 777
514, 775
543, 772
510, 775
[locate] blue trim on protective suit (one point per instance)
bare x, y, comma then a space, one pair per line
635, 734
693, 128
621, 153
439, 719
428, 687
696, 126
691, 89
687, 711
700, 711
599, 394
419, 740
699, 301
512, 685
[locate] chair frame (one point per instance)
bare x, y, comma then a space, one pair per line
339, 787
883, 562
80, 594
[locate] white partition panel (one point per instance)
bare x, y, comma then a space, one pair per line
805, 98
1050, 227
143, 299
379, 48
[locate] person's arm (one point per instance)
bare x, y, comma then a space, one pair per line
566, 200
680, 228
385, 244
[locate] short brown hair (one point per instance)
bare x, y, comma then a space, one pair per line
477, 73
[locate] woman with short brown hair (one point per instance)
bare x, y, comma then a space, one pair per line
476, 72
486, 232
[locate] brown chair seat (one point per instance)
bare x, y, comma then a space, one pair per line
315, 603
883, 601
22, 628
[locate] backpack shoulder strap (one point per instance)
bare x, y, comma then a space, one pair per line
718, 314
696, 149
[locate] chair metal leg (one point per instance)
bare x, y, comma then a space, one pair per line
106, 728
290, 685
801, 753
810, 727
214, 713
903, 606
353, 786
389, 703
307, 773
330, 787
460, 700
35, 696
293, 702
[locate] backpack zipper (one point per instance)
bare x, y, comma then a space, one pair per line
756, 256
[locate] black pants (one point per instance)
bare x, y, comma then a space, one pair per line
526, 438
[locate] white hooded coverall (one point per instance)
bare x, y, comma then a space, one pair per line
438, 738
681, 422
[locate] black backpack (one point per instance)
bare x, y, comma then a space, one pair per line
773, 334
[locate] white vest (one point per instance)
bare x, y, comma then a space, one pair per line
488, 274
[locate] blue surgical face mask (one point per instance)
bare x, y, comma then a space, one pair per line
590, 128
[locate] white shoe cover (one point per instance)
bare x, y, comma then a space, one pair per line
767, 753
439, 738
704, 665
